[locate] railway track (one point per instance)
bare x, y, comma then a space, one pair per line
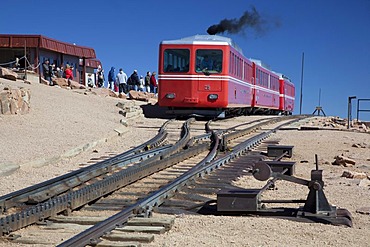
134, 183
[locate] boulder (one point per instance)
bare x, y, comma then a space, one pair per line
76, 85
64, 83
143, 96
354, 175
104, 92
341, 160
43, 81
8, 74
14, 101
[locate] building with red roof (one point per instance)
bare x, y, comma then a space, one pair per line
33, 50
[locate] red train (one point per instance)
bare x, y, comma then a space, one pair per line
208, 75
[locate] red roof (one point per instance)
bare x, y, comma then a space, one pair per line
20, 40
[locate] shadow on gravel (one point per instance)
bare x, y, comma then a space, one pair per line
155, 111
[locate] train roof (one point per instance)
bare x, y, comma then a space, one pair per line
205, 40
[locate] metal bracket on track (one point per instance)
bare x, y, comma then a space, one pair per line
316, 207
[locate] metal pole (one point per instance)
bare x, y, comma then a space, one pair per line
349, 110
300, 101
320, 97
358, 105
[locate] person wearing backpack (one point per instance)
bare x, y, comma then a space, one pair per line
135, 81
100, 76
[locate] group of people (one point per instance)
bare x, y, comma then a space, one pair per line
121, 83
50, 71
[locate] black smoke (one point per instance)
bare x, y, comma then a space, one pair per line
250, 19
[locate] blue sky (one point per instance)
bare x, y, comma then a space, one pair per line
333, 34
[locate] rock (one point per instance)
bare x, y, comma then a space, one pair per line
124, 122
359, 145
354, 175
122, 96
14, 101
143, 96
43, 81
364, 183
363, 210
76, 85
344, 161
104, 92
8, 74
62, 82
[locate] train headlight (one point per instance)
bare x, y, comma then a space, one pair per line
170, 95
212, 96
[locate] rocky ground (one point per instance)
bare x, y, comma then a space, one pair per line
66, 128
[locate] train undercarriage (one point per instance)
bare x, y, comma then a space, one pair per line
222, 112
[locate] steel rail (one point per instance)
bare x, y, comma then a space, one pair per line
236, 134
62, 186
223, 132
78, 198
79, 176
91, 235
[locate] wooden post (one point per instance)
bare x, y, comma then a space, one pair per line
25, 59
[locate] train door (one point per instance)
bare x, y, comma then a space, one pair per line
208, 68
281, 91
254, 92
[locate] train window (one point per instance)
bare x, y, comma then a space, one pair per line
176, 60
208, 60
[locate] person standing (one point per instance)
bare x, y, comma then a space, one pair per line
69, 74
111, 78
153, 83
135, 81
121, 80
100, 76
147, 82
142, 84
46, 70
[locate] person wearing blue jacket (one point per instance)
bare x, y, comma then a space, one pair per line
111, 78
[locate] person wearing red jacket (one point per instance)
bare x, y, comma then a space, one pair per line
69, 73
153, 83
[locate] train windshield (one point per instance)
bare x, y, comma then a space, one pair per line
209, 61
176, 60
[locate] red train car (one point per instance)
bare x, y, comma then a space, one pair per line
287, 95
208, 75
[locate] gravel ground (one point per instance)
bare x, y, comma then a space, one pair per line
61, 120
